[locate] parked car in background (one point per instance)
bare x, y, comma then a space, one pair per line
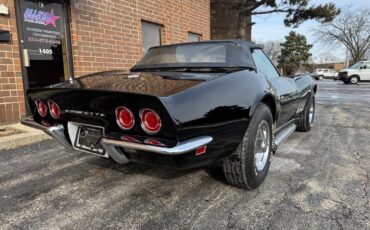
356, 73
183, 106
321, 74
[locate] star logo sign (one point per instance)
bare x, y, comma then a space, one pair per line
51, 19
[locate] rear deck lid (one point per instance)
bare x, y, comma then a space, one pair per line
160, 84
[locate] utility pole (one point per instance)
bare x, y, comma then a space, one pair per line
347, 58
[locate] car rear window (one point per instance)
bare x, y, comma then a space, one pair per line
187, 53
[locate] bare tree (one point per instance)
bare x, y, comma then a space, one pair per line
328, 58
367, 55
272, 49
351, 29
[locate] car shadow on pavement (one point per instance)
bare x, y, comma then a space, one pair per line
138, 168
160, 172
215, 171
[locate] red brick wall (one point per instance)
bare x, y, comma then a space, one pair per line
12, 105
107, 34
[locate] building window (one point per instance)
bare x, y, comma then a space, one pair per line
193, 37
151, 35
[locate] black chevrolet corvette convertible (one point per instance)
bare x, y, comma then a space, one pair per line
182, 106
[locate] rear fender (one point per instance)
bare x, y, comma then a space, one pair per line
220, 108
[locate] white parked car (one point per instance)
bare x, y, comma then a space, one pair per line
320, 74
356, 73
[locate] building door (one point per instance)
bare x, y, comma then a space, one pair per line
43, 42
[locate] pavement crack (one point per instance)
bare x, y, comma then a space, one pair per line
335, 219
230, 224
344, 214
358, 158
338, 223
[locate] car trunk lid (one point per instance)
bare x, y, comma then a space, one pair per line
159, 84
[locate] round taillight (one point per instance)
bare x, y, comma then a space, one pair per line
41, 108
54, 109
150, 121
125, 118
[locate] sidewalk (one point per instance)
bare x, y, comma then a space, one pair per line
16, 135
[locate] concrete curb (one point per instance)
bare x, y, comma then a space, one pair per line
27, 136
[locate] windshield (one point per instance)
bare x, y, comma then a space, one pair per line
356, 66
187, 53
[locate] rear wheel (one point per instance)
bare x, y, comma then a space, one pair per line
308, 116
248, 165
321, 77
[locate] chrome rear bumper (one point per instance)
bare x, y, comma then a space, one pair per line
180, 148
58, 133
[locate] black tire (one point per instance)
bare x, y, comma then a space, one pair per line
321, 77
354, 80
240, 168
305, 122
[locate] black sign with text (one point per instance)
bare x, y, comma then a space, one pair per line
42, 26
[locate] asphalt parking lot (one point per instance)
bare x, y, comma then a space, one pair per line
317, 180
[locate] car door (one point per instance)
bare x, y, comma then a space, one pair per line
332, 73
285, 88
326, 73
364, 72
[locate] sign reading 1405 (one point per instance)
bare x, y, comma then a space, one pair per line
46, 51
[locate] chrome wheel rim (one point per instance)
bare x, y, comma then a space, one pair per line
354, 80
262, 145
311, 113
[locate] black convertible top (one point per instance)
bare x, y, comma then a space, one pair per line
238, 55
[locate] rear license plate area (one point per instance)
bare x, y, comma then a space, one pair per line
89, 139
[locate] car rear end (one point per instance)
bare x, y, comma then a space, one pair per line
342, 76
162, 112
317, 73
121, 125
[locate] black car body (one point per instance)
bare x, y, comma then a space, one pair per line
204, 107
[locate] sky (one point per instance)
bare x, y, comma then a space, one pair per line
271, 28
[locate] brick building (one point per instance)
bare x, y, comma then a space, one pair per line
45, 42
335, 66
